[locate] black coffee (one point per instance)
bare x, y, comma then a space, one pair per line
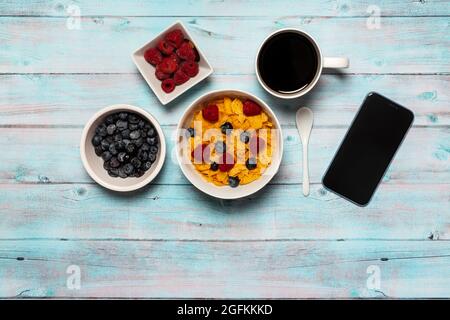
287, 62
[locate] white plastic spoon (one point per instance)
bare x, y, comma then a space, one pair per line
304, 119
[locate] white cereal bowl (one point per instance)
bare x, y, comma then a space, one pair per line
226, 192
94, 164
148, 71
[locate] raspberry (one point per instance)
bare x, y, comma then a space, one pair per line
165, 47
211, 113
161, 75
180, 77
175, 37
167, 65
190, 68
227, 162
251, 108
186, 51
256, 145
168, 85
201, 153
174, 56
153, 56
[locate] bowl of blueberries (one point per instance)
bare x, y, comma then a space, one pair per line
122, 147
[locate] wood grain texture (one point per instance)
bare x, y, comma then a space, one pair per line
423, 158
287, 269
59, 8
104, 45
169, 239
70, 100
76, 211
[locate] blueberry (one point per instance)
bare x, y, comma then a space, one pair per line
96, 140
126, 142
245, 137
98, 150
123, 157
136, 162
133, 126
146, 165
114, 163
221, 147
233, 181
138, 142
121, 125
113, 172
122, 173
130, 148
109, 120
120, 145
190, 132
214, 166
101, 130
123, 115
154, 149
106, 155
148, 126
141, 124
112, 148
151, 132
226, 128
139, 173
145, 147
142, 155
152, 157
135, 134
128, 169
106, 165
110, 129
132, 118
109, 139
117, 137
125, 134
250, 163
104, 145
152, 141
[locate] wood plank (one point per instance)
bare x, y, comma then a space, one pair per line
50, 155
280, 269
224, 8
69, 99
165, 212
104, 45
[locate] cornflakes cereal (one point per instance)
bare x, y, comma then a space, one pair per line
232, 144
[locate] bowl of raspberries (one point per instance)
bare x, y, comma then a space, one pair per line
172, 63
122, 148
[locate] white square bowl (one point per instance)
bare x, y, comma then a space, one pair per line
148, 71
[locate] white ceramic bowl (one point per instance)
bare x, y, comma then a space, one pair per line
94, 164
148, 71
226, 192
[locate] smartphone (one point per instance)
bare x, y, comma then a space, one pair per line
368, 148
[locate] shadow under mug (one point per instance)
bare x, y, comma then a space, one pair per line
323, 62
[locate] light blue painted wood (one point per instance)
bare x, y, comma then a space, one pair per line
283, 244
261, 269
58, 161
70, 100
226, 8
104, 45
74, 211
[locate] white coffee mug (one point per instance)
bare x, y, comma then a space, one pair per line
323, 62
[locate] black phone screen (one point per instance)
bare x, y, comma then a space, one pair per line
368, 148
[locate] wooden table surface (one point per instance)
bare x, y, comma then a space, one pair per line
170, 240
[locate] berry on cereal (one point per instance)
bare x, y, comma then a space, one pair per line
251, 108
211, 113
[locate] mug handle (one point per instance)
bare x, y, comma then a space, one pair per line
335, 62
